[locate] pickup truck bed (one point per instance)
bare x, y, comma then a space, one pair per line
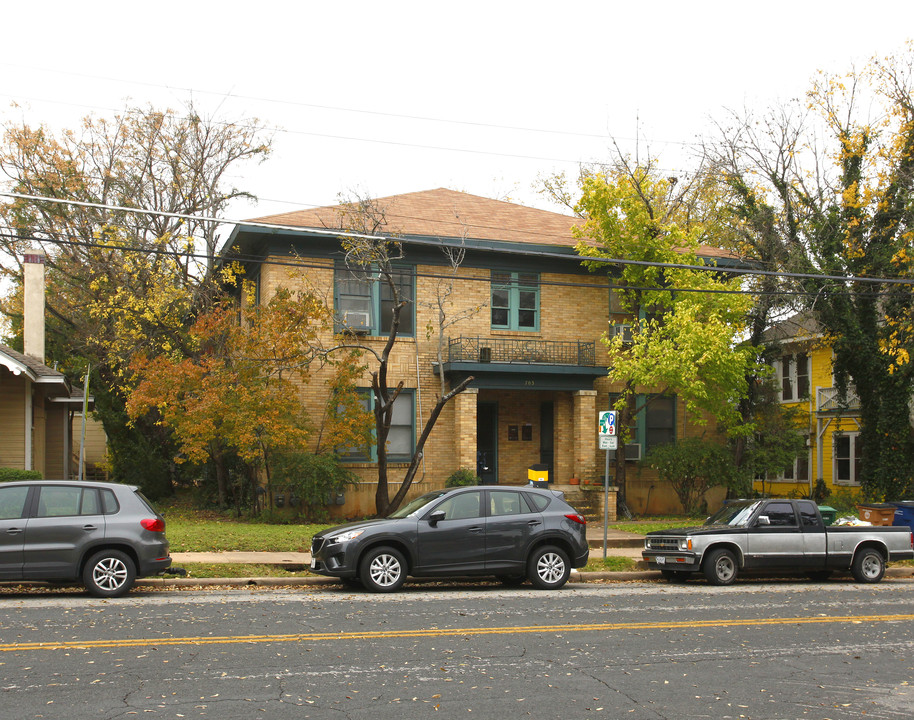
775, 536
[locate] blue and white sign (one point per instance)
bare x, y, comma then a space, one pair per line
608, 422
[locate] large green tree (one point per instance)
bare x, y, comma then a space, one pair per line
686, 321
832, 182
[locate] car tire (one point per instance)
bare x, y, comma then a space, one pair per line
720, 567
548, 568
383, 569
109, 574
868, 566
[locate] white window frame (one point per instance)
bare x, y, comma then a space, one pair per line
792, 377
853, 460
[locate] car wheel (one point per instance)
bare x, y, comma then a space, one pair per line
720, 567
109, 573
548, 568
383, 569
868, 566
511, 580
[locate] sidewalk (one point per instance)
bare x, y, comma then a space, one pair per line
619, 544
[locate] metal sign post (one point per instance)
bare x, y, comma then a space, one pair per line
608, 441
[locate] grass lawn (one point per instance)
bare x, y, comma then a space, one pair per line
195, 535
646, 525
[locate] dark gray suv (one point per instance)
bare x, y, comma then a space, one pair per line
104, 535
514, 533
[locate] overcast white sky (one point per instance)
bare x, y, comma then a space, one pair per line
395, 97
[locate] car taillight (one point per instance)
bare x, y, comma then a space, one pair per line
153, 524
574, 517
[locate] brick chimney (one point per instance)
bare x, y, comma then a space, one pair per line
33, 304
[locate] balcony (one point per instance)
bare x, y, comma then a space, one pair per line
511, 350
827, 401
515, 363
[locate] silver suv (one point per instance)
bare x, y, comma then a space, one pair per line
104, 535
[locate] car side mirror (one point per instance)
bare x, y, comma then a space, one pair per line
435, 517
763, 520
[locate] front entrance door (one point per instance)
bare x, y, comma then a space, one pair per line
547, 438
487, 442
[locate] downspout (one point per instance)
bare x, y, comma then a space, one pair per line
419, 402
27, 461
82, 440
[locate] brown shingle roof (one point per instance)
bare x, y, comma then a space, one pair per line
448, 213
38, 368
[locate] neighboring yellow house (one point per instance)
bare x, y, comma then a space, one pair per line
805, 380
36, 416
37, 402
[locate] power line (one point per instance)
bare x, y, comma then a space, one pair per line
358, 111
301, 264
457, 245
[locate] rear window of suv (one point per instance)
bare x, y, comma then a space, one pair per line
63, 501
539, 502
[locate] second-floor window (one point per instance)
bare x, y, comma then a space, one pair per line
364, 301
515, 301
793, 374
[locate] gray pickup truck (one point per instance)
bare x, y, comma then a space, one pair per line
775, 536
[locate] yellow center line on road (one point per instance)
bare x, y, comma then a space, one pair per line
446, 632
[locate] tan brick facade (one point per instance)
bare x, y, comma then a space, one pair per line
532, 421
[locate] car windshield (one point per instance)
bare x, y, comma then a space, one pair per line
734, 514
416, 505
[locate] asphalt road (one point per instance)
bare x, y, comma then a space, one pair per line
790, 649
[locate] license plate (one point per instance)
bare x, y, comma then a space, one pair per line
660, 560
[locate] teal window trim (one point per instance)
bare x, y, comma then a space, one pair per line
515, 301
402, 433
643, 432
364, 292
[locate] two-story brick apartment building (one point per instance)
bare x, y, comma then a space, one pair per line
532, 346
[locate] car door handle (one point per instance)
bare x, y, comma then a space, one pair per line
533, 523
90, 528
13, 531
475, 529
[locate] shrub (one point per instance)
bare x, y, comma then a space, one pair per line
692, 466
314, 479
12, 475
462, 477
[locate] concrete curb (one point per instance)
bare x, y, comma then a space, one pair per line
576, 577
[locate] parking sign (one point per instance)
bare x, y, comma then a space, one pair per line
607, 422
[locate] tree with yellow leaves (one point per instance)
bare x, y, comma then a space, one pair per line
833, 181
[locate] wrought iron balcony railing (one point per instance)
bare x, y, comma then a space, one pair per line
515, 350
827, 400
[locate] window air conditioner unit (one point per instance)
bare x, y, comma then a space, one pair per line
632, 451
357, 322
625, 332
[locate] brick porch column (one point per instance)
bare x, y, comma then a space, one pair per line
585, 434
465, 429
